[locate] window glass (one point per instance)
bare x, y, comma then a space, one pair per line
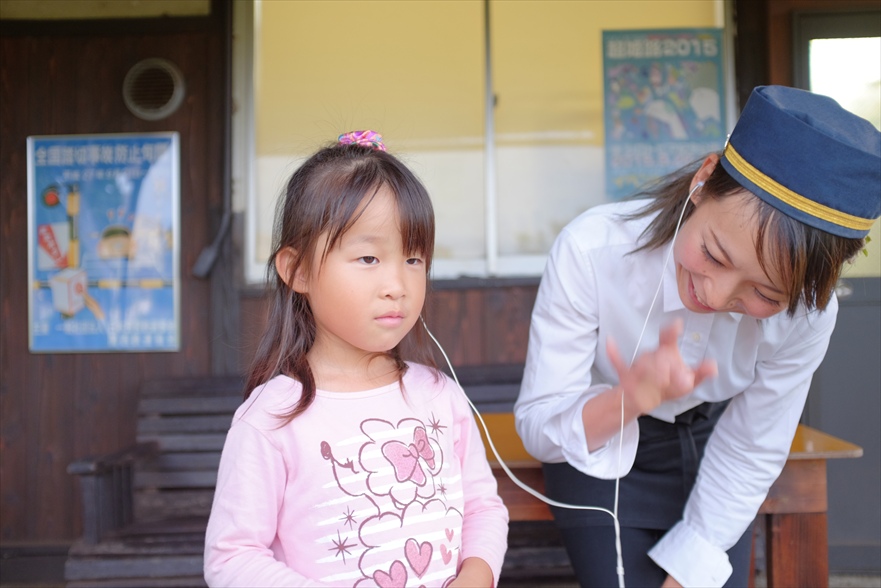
548, 81
416, 71
855, 82
411, 70
849, 70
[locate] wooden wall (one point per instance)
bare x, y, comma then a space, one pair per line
54, 408
478, 322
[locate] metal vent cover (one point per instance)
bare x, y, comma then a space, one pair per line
153, 89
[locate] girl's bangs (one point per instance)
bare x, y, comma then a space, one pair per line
343, 199
344, 194
416, 217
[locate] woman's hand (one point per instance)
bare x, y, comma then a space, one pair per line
474, 573
655, 377
660, 375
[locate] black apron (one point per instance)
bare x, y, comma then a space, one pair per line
653, 494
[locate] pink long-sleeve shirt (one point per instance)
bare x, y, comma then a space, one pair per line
376, 488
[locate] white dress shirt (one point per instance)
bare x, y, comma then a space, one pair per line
592, 290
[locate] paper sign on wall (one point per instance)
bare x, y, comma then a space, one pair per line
664, 103
103, 243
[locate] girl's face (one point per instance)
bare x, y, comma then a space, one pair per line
367, 293
717, 267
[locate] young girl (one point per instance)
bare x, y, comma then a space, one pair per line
726, 338
346, 465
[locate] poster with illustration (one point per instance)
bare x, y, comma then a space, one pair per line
103, 243
664, 103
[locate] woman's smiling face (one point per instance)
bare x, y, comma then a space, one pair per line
717, 266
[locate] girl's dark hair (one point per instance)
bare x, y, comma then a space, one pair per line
808, 259
323, 197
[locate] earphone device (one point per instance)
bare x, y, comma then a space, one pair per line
613, 513
523, 485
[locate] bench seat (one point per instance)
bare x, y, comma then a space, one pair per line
145, 509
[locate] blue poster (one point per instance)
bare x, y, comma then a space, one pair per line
664, 103
103, 243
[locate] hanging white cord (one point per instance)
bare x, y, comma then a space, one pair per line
632, 359
614, 513
523, 485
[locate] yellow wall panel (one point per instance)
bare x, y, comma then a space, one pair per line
548, 61
414, 70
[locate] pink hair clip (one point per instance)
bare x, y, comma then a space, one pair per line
370, 139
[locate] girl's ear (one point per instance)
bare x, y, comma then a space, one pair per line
285, 264
703, 174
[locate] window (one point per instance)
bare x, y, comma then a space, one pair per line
502, 122
839, 55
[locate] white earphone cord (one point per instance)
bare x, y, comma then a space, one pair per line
539, 495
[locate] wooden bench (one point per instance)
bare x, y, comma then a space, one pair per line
145, 508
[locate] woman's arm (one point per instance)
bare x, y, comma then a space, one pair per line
563, 341
746, 451
562, 414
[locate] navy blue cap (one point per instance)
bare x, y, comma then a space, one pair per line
809, 158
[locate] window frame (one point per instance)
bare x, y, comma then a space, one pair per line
492, 265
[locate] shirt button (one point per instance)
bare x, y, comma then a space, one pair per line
695, 336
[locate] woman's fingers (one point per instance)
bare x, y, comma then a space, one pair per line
707, 369
670, 335
661, 370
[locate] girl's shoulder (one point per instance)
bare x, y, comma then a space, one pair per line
421, 375
612, 212
602, 234
268, 400
428, 383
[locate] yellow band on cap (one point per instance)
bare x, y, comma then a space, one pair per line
795, 199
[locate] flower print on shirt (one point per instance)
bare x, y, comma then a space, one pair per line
406, 458
414, 537
427, 555
396, 463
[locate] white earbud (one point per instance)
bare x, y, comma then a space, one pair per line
697, 187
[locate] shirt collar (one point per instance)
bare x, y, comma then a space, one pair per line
672, 301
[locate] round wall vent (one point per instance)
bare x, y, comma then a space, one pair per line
153, 89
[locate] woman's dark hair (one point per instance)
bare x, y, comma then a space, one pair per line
808, 259
323, 197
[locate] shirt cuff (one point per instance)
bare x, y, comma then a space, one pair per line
690, 559
604, 462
